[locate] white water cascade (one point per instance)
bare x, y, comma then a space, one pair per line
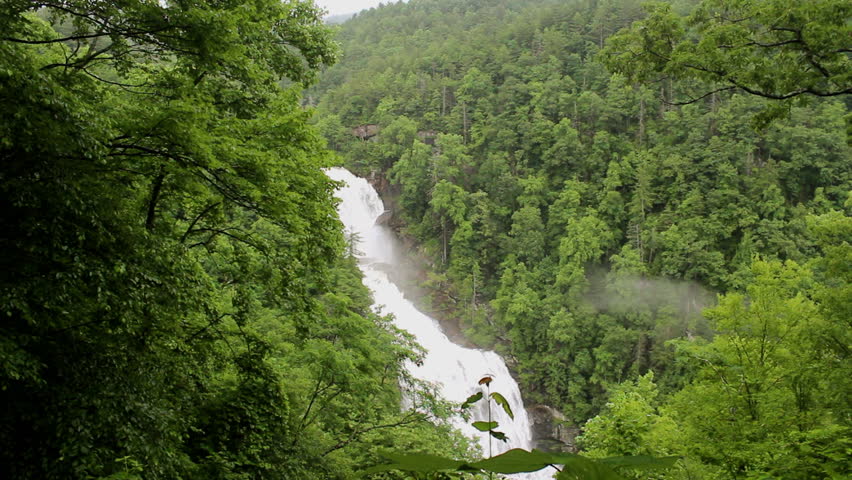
454, 369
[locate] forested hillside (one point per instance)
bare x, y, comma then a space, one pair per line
652, 226
176, 297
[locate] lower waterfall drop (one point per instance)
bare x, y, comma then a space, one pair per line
453, 368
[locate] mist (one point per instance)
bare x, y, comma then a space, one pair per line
670, 304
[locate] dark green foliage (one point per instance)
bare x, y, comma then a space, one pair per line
175, 297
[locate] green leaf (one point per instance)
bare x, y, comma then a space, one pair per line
501, 400
499, 436
471, 400
576, 467
484, 426
515, 461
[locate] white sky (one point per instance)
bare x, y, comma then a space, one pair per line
335, 7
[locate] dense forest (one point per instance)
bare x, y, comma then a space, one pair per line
646, 209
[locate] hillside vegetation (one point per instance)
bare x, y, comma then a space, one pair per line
662, 254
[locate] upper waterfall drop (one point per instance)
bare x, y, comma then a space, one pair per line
455, 370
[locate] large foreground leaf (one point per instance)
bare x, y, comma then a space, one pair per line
515, 461
573, 467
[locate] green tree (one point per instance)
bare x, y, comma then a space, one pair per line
624, 425
411, 172
772, 49
449, 203
761, 395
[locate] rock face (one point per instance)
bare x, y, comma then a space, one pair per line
427, 136
551, 432
380, 182
385, 217
366, 131
389, 194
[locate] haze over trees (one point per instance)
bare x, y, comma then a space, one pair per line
587, 177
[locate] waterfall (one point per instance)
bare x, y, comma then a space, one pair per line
454, 369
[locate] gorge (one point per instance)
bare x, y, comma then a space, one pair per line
453, 369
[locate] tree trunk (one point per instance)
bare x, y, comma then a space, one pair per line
444, 237
641, 132
155, 197
473, 297
443, 100
714, 108
464, 122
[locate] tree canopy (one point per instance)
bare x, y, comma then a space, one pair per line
176, 295
773, 49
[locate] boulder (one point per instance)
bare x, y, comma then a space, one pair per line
551, 431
